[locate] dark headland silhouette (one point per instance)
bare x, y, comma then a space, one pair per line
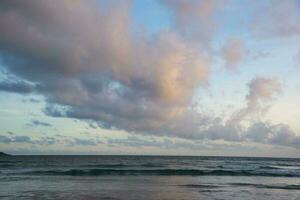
4, 154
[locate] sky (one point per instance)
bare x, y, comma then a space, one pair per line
150, 77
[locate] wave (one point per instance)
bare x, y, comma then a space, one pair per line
262, 186
145, 165
152, 172
105, 165
98, 166
201, 186
6, 162
285, 187
6, 165
280, 167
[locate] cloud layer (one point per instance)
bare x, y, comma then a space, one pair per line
89, 64
98, 69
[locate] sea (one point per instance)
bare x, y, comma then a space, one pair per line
148, 178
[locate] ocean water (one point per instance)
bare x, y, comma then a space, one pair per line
148, 178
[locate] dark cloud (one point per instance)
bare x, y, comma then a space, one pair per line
21, 139
28, 140
5, 139
46, 140
17, 86
15, 139
35, 123
93, 126
10, 133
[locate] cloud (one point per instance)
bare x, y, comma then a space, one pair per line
262, 89
166, 143
28, 140
106, 73
31, 100
10, 133
84, 58
279, 134
258, 132
255, 55
233, 52
46, 140
14, 139
39, 123
4, 139
277, 19
261, 92
195, 20
197, 126
83, 142
17, 86
297, 59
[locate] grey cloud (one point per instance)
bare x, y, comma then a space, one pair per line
21, 139
31, 100
10, 133
95, 74
46, 140
196, 126
39, 123
134, 141
223, 132
258, 132
28, 140
102, 71
14, 139
18, 86
171, 143
4, 139
55, 110
68, 141
278, 134
92, 125
83, 142
262, 91
277, 19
